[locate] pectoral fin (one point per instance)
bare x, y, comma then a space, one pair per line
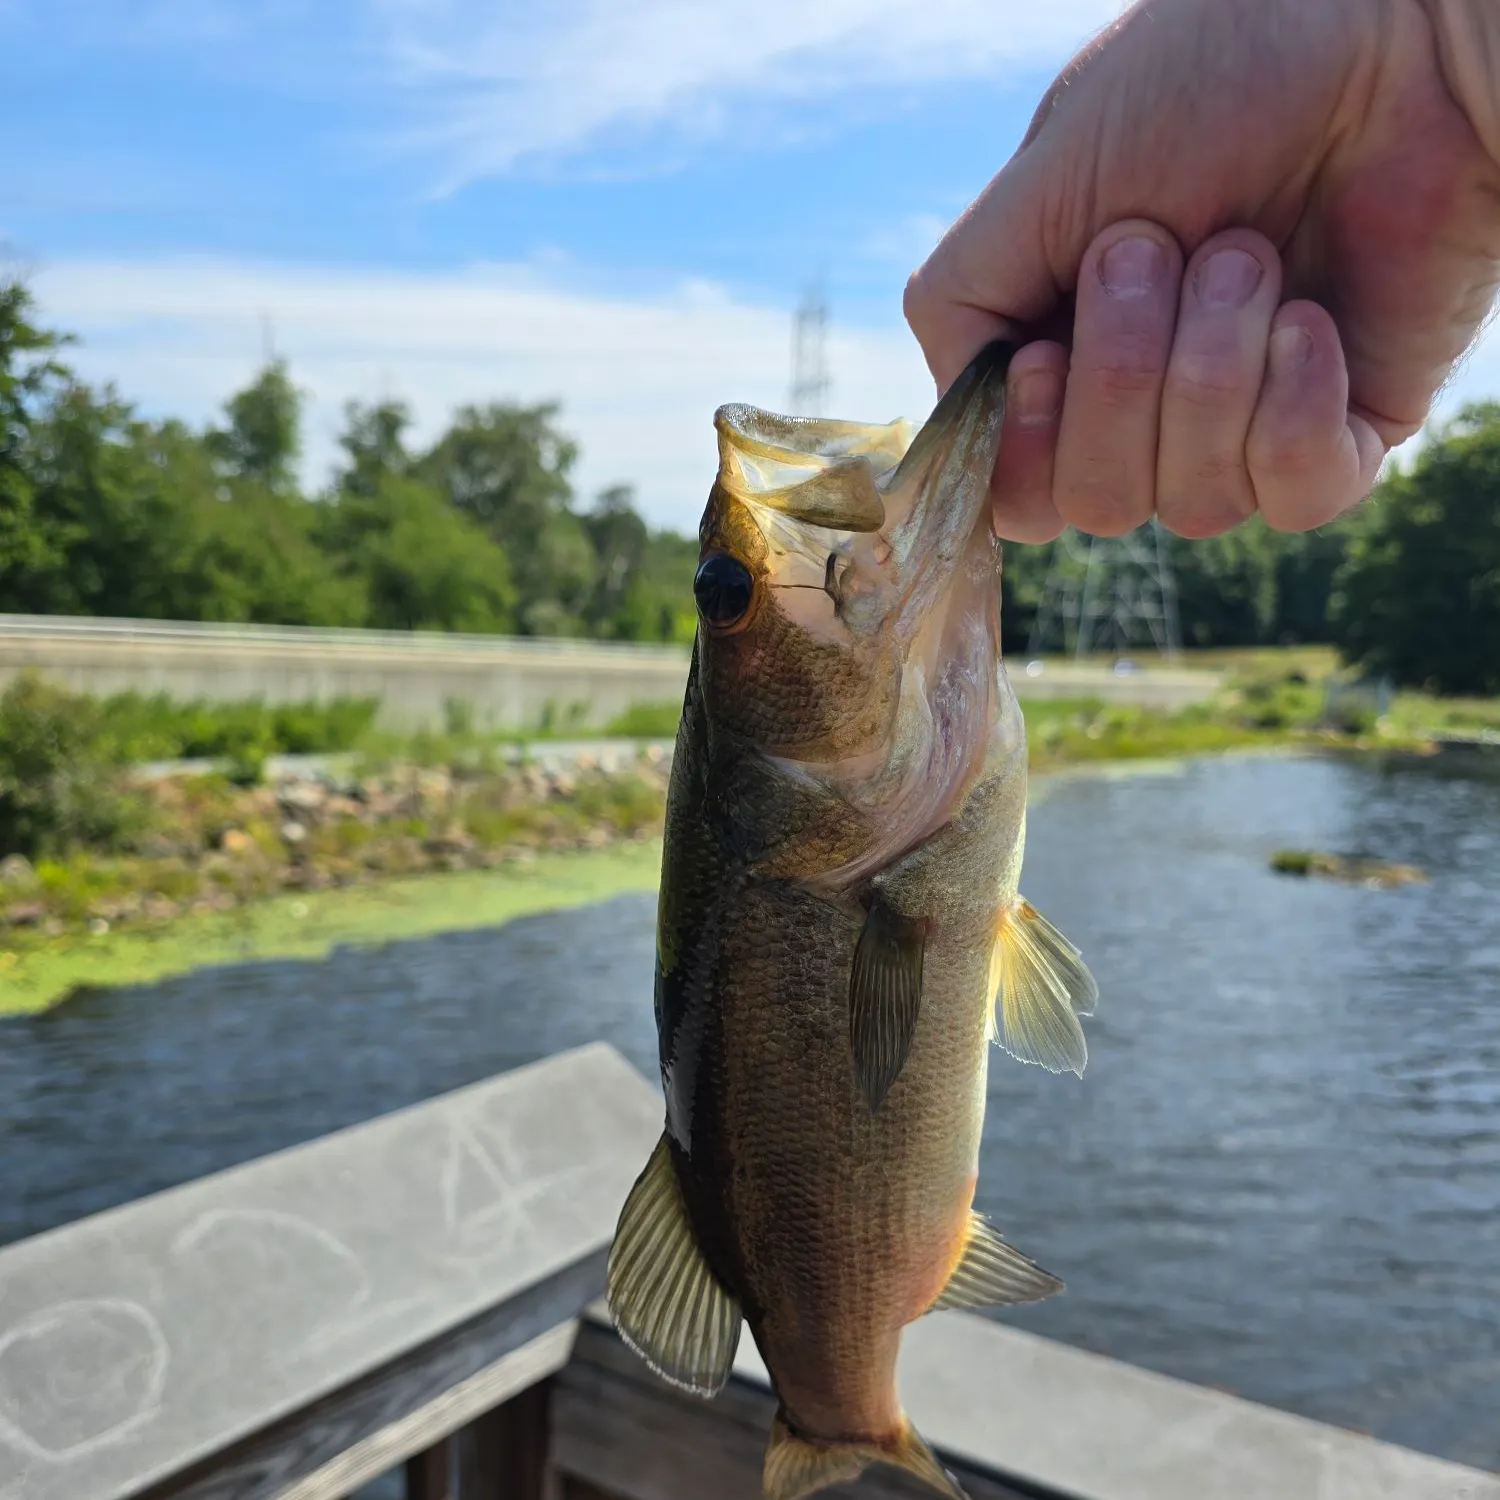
994, 1274
885, 994
665, 1302
797, 1466
1041, 986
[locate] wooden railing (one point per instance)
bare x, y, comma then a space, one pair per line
420, 1294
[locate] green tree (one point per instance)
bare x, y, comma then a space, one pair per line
1226, 586
30, 376
621, 541
263, 437
1419, 596
148, 527
422, 564
507, 467
374, 442
1305, 570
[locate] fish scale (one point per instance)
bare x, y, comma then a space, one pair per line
840, 932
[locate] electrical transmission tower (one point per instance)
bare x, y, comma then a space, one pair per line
810, 380
1109, 593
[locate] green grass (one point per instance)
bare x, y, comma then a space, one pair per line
646, 721
40, 973
1416, 714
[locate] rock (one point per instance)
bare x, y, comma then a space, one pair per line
302, 796
293, 832
27, 914
454, 839
98, 926
434, 785
236, 841
1374, 874
15, 871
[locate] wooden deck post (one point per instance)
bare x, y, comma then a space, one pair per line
429, 1475
506, 1454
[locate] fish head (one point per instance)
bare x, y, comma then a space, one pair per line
848, 596
790, 535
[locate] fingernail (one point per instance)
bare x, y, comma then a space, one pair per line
1290, 349
1038, 397
1132, 266
1227, 279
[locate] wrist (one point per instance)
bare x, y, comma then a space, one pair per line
1468, 43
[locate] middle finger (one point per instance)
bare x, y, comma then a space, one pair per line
1105, 478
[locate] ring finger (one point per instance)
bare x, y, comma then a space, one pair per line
1229, 296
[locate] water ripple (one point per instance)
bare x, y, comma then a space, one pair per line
1281, 1176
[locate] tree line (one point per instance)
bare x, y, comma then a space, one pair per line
105, 512
1407, 586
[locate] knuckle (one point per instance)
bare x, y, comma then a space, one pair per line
1102, 499
1212, 382
1124, 381
1208, 504
1287, 455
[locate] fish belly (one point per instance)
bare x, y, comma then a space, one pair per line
842, 1225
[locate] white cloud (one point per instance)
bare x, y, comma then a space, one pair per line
515, 82
638, 377
484, 86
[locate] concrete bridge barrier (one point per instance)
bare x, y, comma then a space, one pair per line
505, 682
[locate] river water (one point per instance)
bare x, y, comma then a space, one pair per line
1281, 1175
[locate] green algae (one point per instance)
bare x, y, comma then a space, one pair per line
40, 973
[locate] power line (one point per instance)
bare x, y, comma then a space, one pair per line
1109, 593
810, 382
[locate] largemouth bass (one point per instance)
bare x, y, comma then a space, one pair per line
840, 931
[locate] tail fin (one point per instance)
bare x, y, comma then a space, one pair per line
796, 1466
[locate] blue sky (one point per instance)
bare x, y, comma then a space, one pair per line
615, 203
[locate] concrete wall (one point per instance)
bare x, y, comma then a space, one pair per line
508, 683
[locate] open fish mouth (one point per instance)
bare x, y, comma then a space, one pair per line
876, 535
877, 517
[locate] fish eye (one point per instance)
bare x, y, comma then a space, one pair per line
724, 589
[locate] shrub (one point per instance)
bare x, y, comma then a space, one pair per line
61, 784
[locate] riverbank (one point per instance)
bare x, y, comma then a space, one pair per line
138, 877
36, 976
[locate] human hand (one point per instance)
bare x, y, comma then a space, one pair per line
1322, 245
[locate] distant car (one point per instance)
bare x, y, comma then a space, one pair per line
1124, 667
1033, 669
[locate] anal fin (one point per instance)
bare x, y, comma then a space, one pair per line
798, 1466
1041, 987
885, 996
991, 1273
665, 1301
